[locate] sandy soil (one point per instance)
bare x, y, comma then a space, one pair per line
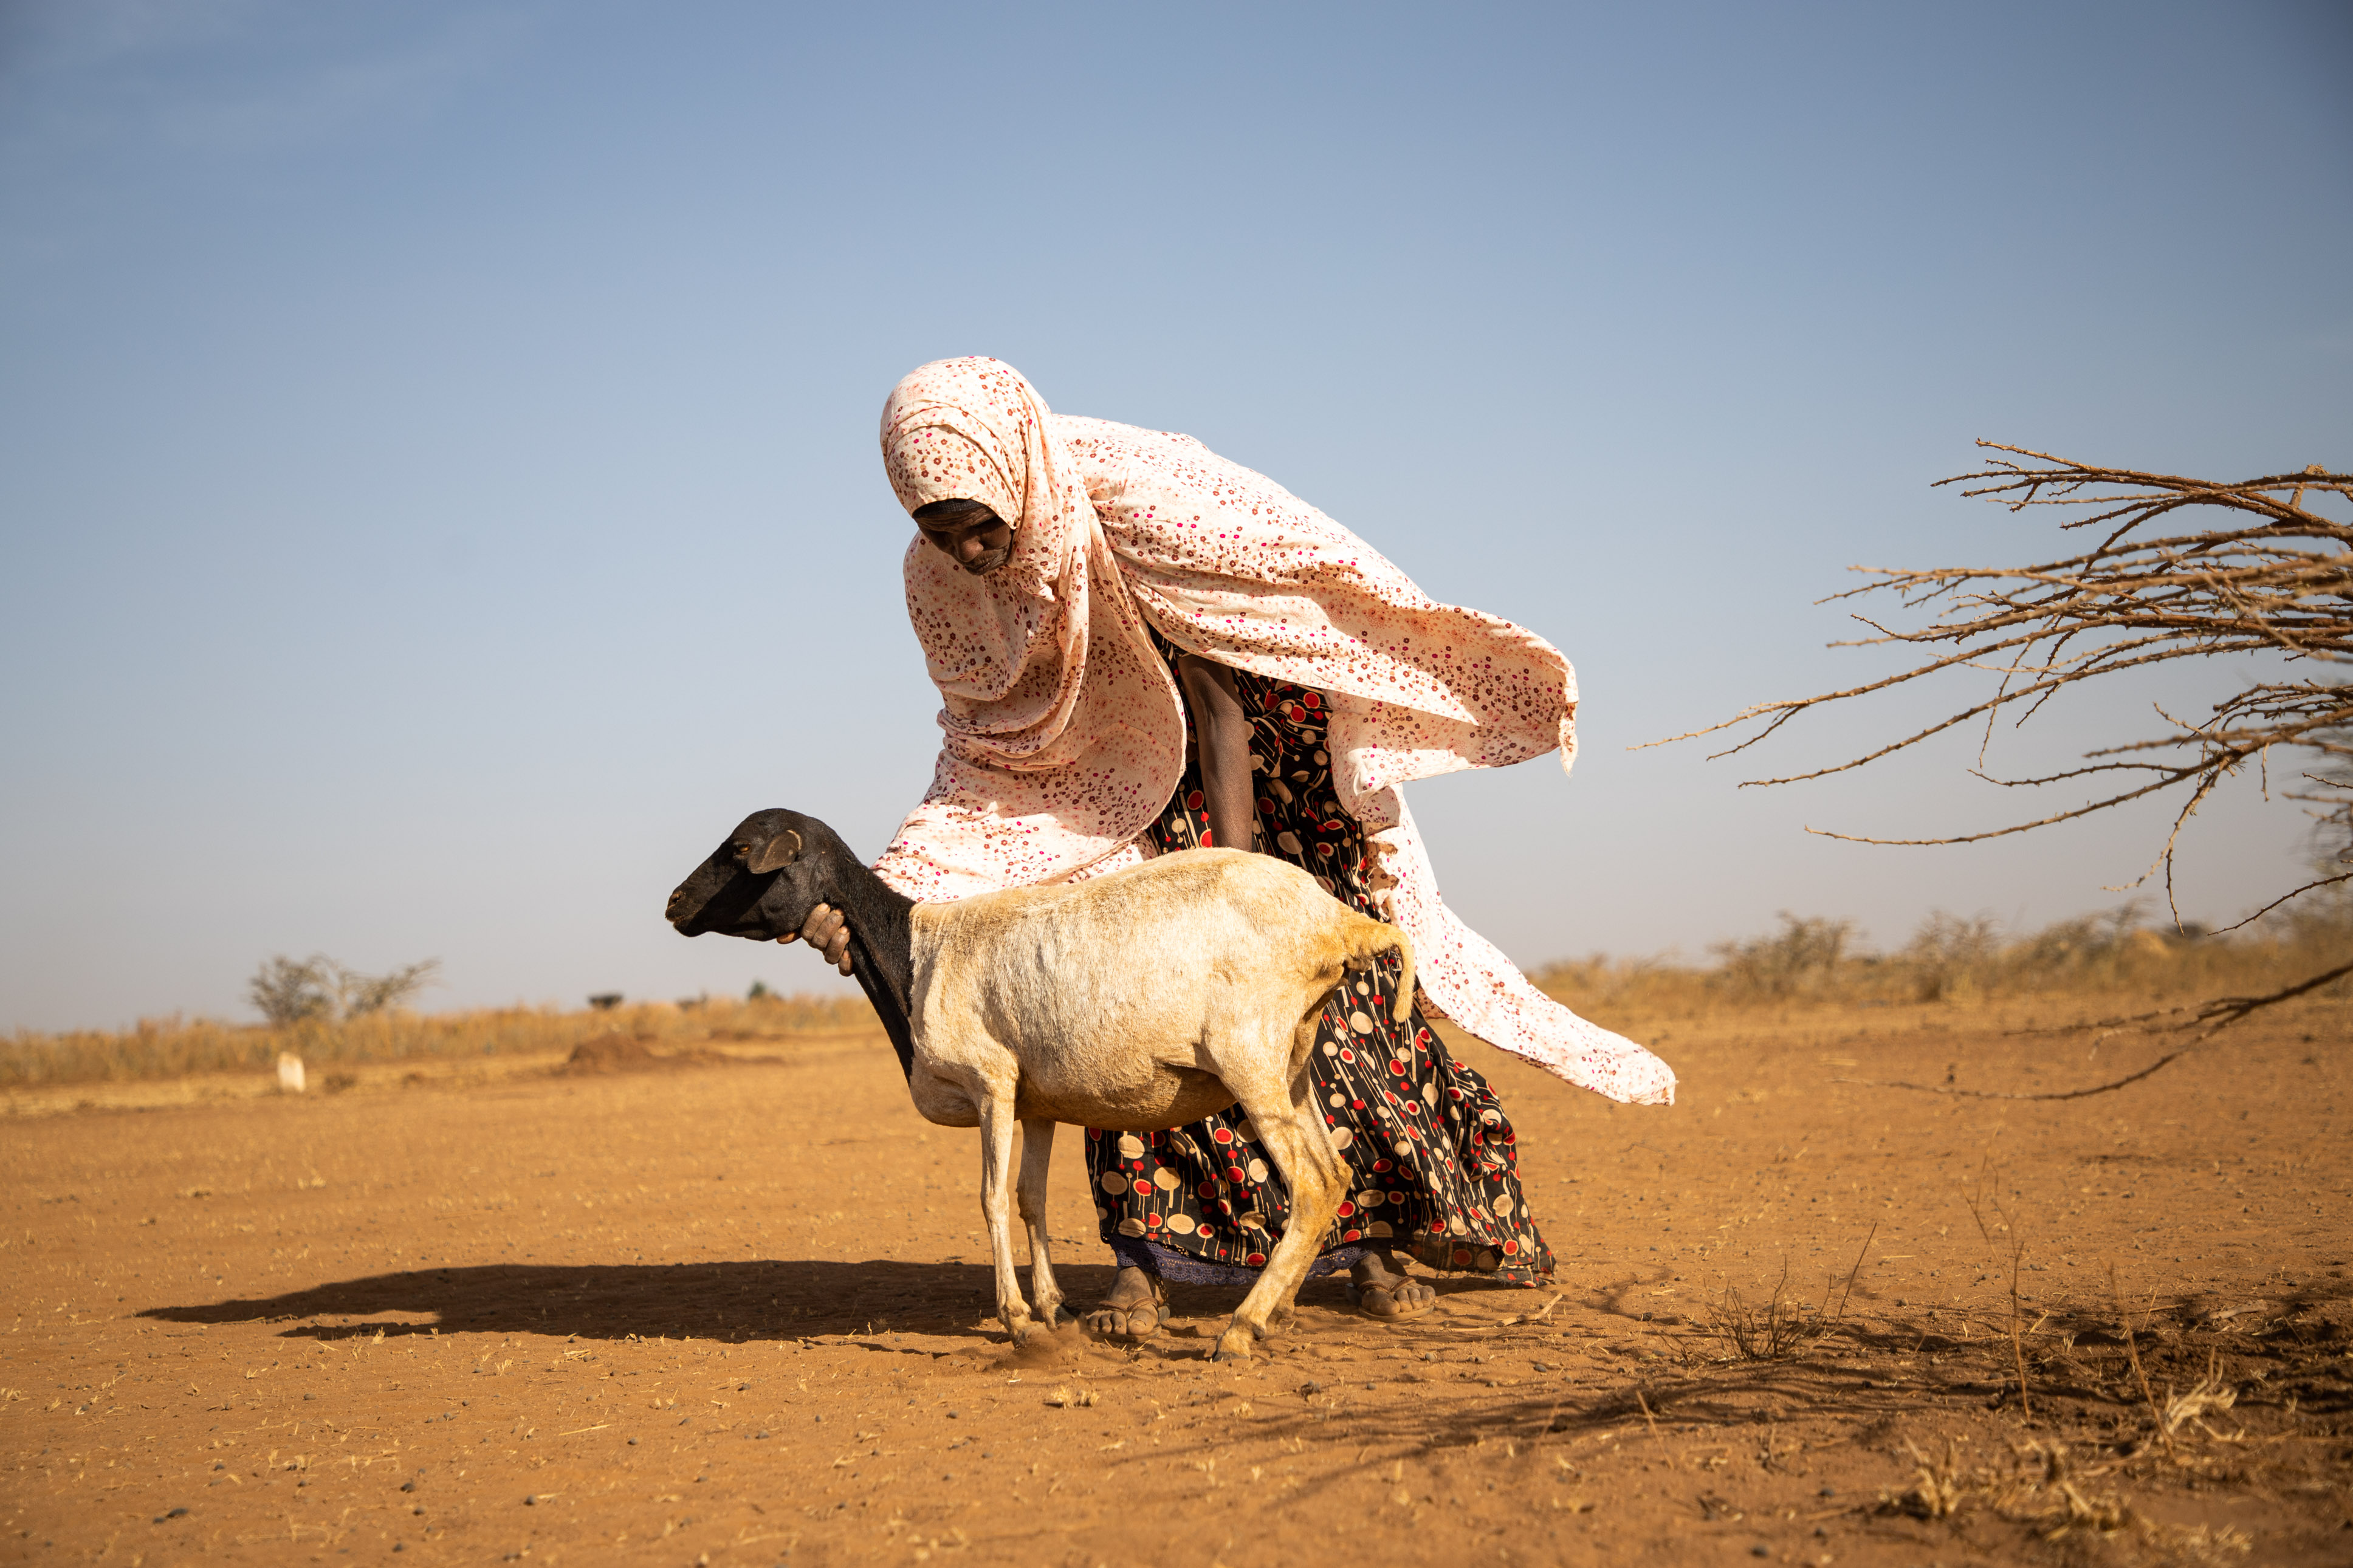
739, 1313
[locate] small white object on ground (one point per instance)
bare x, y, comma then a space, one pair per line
289, 1072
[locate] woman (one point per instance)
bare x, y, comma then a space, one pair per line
1142, 647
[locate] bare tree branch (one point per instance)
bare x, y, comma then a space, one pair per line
2283, 897
2276, 582
1989, 1094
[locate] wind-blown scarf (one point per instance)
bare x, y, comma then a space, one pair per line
1065, 733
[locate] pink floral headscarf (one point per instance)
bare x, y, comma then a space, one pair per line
1065, 734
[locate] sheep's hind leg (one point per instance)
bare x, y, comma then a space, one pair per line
1302, 1150
1037, 1154
995, 1168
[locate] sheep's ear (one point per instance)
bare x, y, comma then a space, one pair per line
775, 854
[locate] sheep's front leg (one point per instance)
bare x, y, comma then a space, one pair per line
1037, 1154
995, 1168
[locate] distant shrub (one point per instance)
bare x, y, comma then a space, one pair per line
1958, 959
1950, 957
1802, 958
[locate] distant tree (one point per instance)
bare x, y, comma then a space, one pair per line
287, 992
360, 995
759, 992
2276, 578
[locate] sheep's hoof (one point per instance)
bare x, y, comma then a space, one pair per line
1233, 1345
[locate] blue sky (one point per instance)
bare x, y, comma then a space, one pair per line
439, 490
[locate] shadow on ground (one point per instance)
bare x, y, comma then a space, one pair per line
770, 1299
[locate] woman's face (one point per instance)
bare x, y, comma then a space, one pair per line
973, 537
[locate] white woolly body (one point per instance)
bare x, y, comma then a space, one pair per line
1139, 1001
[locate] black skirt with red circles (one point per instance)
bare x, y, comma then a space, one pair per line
1432, 1172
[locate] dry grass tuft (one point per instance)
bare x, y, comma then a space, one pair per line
2056, 1491
1773, 1332
2210, 1395
1782, 1326
2042, 1488
1936, 1490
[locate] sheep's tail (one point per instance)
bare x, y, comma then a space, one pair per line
1369, 938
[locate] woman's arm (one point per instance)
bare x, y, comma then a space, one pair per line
1214, 706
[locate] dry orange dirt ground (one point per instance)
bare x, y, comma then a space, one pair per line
738, 1314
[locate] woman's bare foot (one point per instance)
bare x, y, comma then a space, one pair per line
1384, 1290
1135, 1310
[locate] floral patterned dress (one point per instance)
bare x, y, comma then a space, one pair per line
1432, 1171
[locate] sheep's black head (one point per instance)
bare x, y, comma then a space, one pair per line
760, 884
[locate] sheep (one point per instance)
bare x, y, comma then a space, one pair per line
1134, 1002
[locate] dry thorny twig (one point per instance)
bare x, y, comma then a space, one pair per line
1781, 1327
2278, 580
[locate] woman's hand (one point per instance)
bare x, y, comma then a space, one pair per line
827, 931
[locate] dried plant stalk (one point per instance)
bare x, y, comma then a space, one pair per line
2017, 1342
2132, 1352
